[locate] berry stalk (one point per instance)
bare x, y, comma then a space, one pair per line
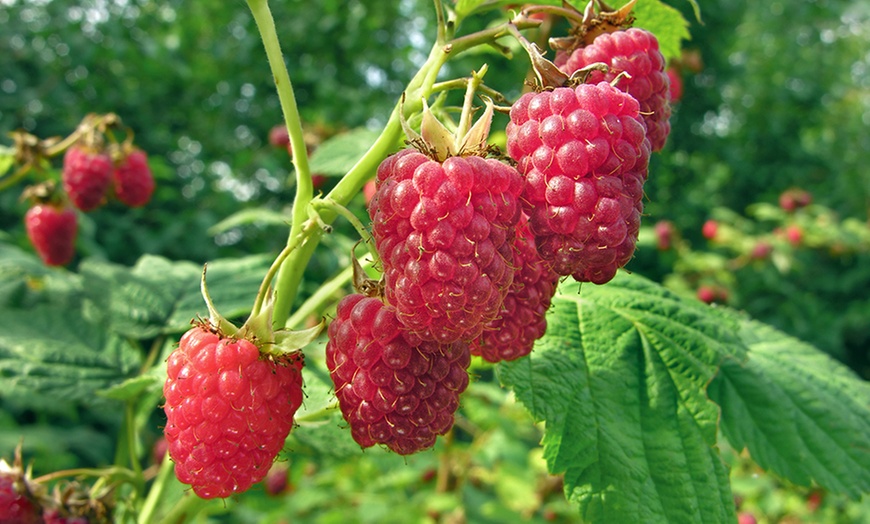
304, 186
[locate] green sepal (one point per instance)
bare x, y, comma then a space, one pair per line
288, 340
218, 322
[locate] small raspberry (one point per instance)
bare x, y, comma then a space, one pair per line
665, 233
392, 388
132, 179
585, 156
229, 409
279, 137
15, 507
86, 177
794, 198
522, 319
52, 231
635, 52
675, 91
710, 229
444, 231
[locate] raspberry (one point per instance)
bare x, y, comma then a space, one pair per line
665, 233
15, 508
444, 233
523, 316
132, 179
52, 231
86, 177
229, 410
794, 198
585, 156
279, 137
635, 52
675, 91
392, 388
710, 229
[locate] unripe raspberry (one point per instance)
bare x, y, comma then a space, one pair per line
522, 319
86, 177
444, 233
229, 409
392, 388
52, 230
635, 52
132, 179
585, 156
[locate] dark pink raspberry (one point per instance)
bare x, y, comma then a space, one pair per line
522, 319
635, 52
52, 229
16, 507
132, 179
585, 156
392, 388
229, 409
444, 233
86, 177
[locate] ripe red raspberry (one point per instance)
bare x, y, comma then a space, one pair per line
86, 177
279, 137
522, 319
636, 52
665, 233
675, 91
392, 388
132, 179
794, 198
444, 233
585, 156
229, 409
710, 229
15, 507
52, 231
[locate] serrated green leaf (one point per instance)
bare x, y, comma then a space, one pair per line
257, 215
620, 382
54, 351
337, 155
665, 22
798, 412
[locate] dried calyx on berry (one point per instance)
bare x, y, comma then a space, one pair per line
19, 495
231, 395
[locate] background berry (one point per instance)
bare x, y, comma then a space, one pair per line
52, 230
585, 156
392, 388
132, 179
444, 234
86, 177
636, 52
229, 410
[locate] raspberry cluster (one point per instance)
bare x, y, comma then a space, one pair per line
393, 389
634, 54
585, 154
444, 231
229, 409
90, 175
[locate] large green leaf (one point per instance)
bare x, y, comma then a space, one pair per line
665, 22
620, 382
53, 351
797, 411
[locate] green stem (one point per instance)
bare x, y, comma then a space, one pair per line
304, 186
130, 430
327, 203
186, 507
146, 515
325, 294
